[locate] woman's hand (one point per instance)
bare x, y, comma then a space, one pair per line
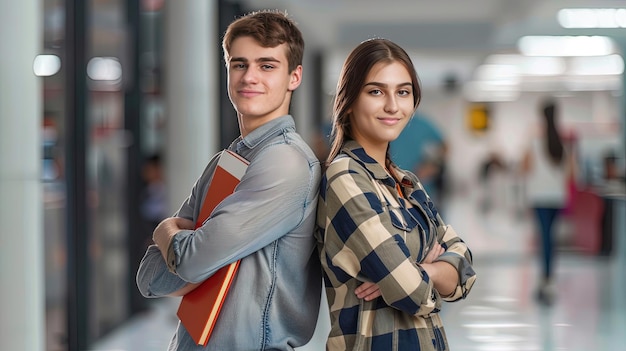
434, 252
367, 291
442, 274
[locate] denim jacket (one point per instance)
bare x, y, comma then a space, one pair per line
267, 223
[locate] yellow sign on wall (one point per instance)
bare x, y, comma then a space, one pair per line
478, 117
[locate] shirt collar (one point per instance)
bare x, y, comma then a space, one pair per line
356, 151
261, 133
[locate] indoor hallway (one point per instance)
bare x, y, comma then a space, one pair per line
500, 313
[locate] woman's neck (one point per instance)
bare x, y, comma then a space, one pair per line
376, 151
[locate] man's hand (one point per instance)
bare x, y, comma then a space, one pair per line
165, 231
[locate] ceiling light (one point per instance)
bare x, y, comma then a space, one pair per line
530, 65
592, 18
565, 45
597, 66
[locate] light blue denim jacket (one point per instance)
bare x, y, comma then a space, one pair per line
267, 223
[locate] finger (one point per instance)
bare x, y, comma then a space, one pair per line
363, 287
441, 250
361, 294
365, 290
438, 249
373, 295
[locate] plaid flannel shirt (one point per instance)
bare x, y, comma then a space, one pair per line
366, 231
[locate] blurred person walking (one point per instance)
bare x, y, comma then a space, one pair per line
389, 259
545, 167
267, 222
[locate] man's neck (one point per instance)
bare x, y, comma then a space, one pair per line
249, 124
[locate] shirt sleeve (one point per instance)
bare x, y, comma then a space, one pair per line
266, 205
460, 257
361, 240
153, 278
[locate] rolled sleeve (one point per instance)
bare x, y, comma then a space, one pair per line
153, 276
460, 257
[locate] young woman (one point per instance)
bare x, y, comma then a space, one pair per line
389, 259
546, 166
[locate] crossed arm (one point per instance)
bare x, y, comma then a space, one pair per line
443, 275
162, 236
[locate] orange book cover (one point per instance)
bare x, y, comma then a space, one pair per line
199, 309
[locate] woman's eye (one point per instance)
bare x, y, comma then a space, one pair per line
376, 92
404, 92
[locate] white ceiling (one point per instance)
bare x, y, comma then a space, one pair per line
443, 36
426, 24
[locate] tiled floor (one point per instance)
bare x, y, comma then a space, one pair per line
500, 313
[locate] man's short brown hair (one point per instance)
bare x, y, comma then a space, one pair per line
269, 29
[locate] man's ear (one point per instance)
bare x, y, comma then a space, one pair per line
295, 78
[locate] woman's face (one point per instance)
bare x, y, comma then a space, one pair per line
383, 107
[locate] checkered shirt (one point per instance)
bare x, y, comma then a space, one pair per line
366, 231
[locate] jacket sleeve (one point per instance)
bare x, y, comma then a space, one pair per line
154, 278
360, 241
460, 257
266, 205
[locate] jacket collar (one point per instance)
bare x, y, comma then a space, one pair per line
274, 127
355, 151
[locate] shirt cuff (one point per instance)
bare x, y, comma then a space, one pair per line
171, 256
173, 250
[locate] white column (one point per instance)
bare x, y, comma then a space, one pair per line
21, 249
192, 46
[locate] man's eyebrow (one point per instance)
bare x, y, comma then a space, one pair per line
267, 59
260, 59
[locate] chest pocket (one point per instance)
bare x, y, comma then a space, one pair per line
413, 232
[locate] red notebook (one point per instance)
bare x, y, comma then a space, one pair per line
198, 309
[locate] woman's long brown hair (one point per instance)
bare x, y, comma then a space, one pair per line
352, 78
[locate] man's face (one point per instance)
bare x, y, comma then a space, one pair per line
259, 81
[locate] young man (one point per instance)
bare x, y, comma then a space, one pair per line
267, 222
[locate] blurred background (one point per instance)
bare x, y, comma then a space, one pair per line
110, 109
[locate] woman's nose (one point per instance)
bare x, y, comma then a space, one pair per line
391, 105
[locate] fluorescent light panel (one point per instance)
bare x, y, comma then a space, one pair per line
565, 45
592, 18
